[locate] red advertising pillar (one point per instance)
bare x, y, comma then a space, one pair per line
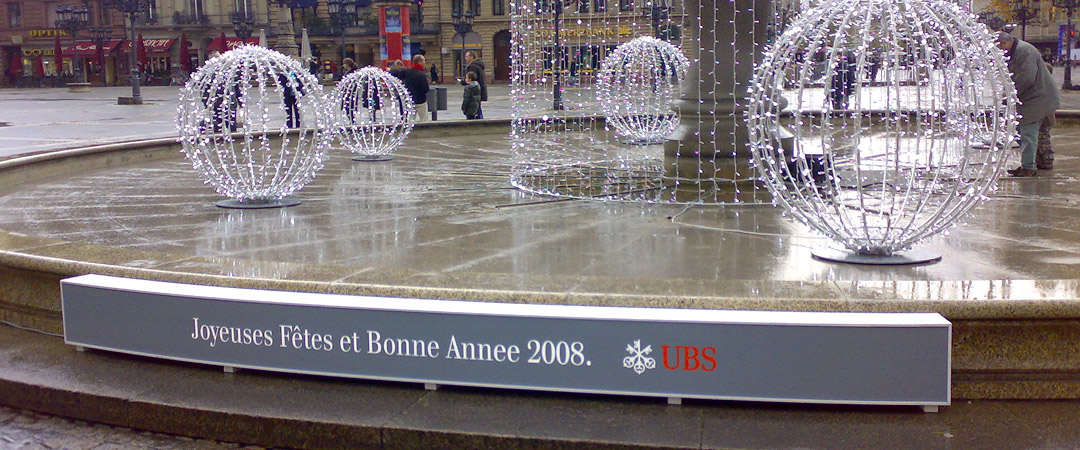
394, 31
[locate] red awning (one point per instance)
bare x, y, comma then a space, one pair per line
152, 45
89, 48
231, 43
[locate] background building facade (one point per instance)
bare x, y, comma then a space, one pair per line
29, 33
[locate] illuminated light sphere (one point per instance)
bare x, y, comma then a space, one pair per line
637, 86
255, 124
373, 111
865, 118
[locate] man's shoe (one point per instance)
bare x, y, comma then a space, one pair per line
1021, 172
1045, 167
1014, 171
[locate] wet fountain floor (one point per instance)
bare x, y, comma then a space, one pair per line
442, 214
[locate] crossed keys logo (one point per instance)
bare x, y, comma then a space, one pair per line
639, 359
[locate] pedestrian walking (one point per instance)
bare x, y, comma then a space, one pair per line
474, 65
470, 102
347, 67
222, 101
843, 79
291, 93
348, 103
416, 81
1037, 93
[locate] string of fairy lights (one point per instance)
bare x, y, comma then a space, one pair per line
254, 124
374, 111
876, 122
867, 119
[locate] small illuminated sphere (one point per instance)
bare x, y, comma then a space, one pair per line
637, 86
865, 116
254, 123
373, 112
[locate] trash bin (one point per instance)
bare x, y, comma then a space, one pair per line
436, 101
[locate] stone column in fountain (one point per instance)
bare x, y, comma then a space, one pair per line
724, 50
285, 34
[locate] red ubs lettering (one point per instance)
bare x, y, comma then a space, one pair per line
690, 358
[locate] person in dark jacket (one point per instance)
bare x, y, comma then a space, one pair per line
470, 102
347, 67
416, 82
843, 79
292, 89
477, 66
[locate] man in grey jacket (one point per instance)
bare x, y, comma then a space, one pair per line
1038, 96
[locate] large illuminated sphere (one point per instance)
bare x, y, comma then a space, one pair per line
241, 130
865, 114
637, 86
373, 111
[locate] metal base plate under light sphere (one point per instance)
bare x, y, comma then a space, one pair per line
913, 256
372, 158
283, 202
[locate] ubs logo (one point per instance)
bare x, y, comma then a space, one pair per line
639, 358
689, 358
686, 358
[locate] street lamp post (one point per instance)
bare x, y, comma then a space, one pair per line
1024, 12
343, 16
243, 24
556, 8
658, 11
99, 35
71, 20
463, 24
1068, 6
132, 8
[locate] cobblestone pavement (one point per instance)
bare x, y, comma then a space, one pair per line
27, 430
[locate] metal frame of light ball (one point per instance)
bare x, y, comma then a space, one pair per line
930, 106
232, 124
373, 112
637, 86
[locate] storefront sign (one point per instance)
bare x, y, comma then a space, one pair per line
616, 31
159, 45
48, 32
855, 358
31, 52
89, 48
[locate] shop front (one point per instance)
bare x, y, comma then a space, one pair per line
99, 65
33, 66
155, 62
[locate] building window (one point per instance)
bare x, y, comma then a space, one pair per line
474, 7
625, 5
151, 12
582, 6
195, 8
600, 5
14, 15
458, 6
498, 7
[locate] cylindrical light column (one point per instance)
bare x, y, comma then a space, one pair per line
712, 122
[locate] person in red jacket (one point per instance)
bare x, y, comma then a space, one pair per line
418, 63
